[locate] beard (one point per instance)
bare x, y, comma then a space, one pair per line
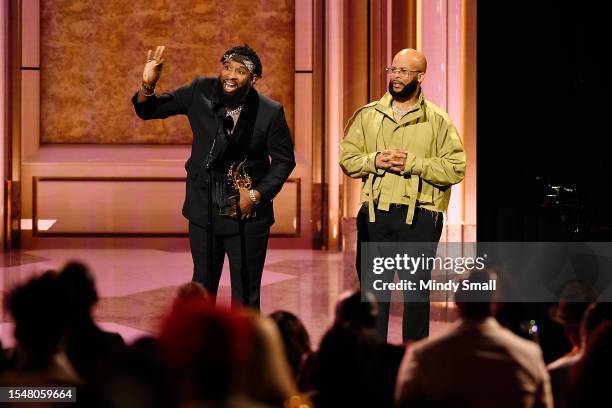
235, 99
406, 91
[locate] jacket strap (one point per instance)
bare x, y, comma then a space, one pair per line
370, 190
414, 191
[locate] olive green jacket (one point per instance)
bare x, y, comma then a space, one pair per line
435, 161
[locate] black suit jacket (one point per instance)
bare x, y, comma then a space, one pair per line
261, 134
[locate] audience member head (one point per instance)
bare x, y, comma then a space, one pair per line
357, 309
138, 377
192, 290
295, 338
474, 302
206, 348
39, 312
78, 289
267, 377
345, 372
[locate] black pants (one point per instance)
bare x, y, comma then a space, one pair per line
246, 252
390, 226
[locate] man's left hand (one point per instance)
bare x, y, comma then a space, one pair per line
398, 160
247, 206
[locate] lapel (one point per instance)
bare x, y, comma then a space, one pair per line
218, 111
384, 106
211, 100
243, 131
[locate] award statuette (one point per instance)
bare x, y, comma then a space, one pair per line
236, 178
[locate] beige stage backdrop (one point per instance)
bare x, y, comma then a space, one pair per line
92, 55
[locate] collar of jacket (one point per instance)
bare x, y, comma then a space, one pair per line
384, 107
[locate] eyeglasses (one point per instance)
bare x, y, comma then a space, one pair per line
403, 72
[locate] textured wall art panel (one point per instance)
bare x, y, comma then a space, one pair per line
93, 53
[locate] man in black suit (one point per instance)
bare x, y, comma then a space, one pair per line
231, 124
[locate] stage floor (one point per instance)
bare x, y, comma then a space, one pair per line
136, 286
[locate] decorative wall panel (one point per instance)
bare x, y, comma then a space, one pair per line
92, 55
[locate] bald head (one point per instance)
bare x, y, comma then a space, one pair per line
410, 58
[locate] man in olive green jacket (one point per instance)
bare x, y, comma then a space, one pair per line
408, 154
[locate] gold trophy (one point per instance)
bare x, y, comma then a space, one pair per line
237, 178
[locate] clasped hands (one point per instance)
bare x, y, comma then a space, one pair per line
392, 160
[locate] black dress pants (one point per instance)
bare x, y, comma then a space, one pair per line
390, 226
246, 252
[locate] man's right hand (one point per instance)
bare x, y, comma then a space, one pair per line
391, 160
152, 70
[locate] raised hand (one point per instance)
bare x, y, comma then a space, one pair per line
153, 67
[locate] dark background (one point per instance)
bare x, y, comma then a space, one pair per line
543, 112
543, 121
